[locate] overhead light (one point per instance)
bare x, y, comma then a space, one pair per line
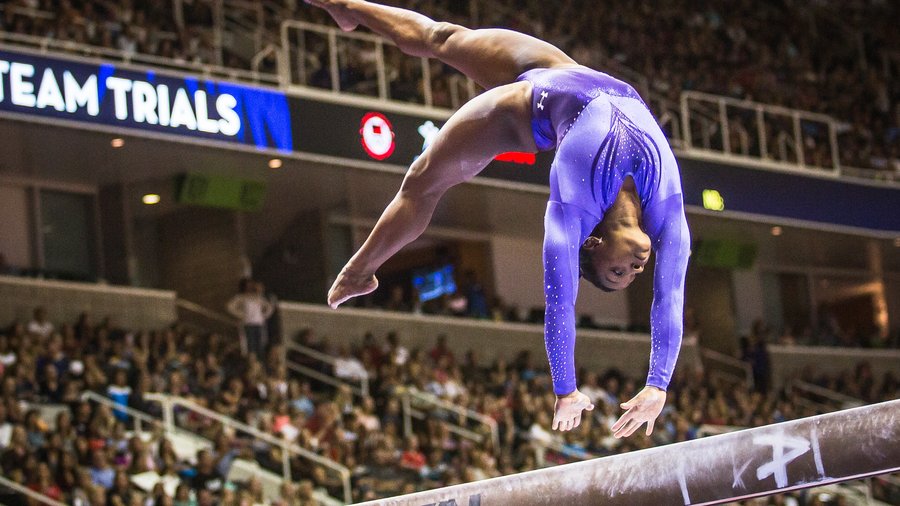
275, 163
150, 199
118, 142
776, 231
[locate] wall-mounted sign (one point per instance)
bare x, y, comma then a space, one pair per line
105, 94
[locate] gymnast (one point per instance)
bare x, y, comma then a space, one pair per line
615, 188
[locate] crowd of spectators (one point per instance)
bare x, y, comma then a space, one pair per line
85, 456
835, 57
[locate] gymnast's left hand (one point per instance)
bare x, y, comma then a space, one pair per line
643, 408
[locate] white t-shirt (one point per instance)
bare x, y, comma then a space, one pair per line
252, 309
349, 368
40, 329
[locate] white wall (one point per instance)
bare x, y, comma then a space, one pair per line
749, 298
15, 239
519, 274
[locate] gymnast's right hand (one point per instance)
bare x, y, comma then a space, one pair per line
567, 413
348, 285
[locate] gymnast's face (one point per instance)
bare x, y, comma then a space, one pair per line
616, 258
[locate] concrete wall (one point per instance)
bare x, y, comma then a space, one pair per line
519, 275
15, 227
597, 350
132, 308
789, 361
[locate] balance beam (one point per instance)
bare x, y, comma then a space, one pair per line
831, 448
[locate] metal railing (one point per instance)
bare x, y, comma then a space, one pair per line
746, 129
47, 44
727, 367
207, 319
412, 399
361, 389
40, 498
827, 398
170, 403
316, 56
139, 418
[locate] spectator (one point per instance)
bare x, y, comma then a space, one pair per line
441, 351
102, 474
39, 326
253, 310
120, 393
346, 366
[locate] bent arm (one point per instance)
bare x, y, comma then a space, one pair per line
565, 229
672, 243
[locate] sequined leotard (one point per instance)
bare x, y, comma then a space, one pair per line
604, 133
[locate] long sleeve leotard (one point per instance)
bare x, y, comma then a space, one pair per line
604, 134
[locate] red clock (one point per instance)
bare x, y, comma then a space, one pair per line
377, 135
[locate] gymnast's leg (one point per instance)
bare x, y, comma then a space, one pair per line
497, 121
490, 57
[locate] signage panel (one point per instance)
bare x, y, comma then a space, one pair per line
149, 101
69, 90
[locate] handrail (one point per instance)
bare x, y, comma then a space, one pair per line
722, 358
843, 400
759, 111
541, 447
324, 378
45, 44
331, 34
139, 416
205, 312
456, 429
41, 498
750, 104
362, 390
456, 408
169, 402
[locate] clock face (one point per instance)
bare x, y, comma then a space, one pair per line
377, 136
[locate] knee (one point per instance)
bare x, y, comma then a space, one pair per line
439, 36
420, 182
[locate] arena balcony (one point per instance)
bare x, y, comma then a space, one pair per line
259, 42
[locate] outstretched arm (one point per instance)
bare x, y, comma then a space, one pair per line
495, 122
565, 228
668, 230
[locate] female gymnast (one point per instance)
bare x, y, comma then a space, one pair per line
615, 188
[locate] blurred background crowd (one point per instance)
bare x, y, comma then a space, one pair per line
85, 453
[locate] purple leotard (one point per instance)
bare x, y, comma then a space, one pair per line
604, 133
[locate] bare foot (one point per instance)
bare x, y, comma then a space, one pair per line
349, 285
339, 11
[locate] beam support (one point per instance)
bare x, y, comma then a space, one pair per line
831, 448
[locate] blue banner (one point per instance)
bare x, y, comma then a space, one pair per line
105, 94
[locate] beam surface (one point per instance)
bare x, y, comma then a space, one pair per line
819, 450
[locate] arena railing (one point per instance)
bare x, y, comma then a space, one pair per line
171, 403
822, 396
412, 395
757, 126
47, 44
206, 318
140, 419
727, 367
362, 389
31, 494
303, 43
